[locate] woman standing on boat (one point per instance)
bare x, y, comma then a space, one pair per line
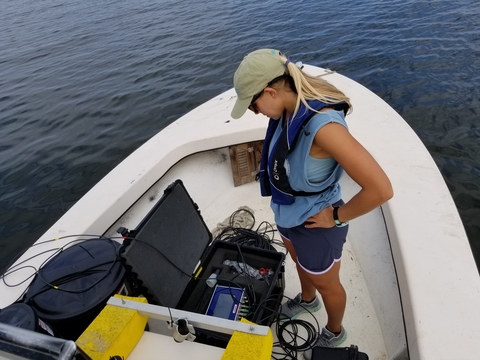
307, 147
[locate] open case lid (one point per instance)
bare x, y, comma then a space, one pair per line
167, 245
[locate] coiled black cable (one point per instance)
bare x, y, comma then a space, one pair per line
259, 237
289, 334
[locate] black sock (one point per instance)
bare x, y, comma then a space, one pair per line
333, 332
309, 302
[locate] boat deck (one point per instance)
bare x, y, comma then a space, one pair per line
217, 200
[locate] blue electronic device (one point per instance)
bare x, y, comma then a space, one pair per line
226, 302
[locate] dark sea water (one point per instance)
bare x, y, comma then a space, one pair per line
84, 83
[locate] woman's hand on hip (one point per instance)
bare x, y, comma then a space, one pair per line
322, 219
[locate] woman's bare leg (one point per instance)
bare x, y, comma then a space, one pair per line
308, 290
333, 295
328, 285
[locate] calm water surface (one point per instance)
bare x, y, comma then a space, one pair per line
84, 83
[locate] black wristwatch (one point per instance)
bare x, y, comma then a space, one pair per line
338, 223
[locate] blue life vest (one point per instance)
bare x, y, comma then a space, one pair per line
273, 175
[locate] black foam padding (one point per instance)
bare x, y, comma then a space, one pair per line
168, 244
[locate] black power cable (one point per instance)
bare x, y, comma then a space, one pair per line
289, 332
36, 271
259, 238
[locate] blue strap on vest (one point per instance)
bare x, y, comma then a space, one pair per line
274, 182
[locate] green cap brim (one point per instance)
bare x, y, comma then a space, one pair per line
240, 107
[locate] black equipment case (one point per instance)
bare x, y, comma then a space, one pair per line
339, 353
170, 256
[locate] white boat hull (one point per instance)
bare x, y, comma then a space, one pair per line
432, 269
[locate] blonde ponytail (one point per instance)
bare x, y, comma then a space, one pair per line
313, 88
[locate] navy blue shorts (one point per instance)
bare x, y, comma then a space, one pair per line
318, 249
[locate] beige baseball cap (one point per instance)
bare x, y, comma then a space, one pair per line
254, 73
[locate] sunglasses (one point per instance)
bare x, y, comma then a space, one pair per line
252, 106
